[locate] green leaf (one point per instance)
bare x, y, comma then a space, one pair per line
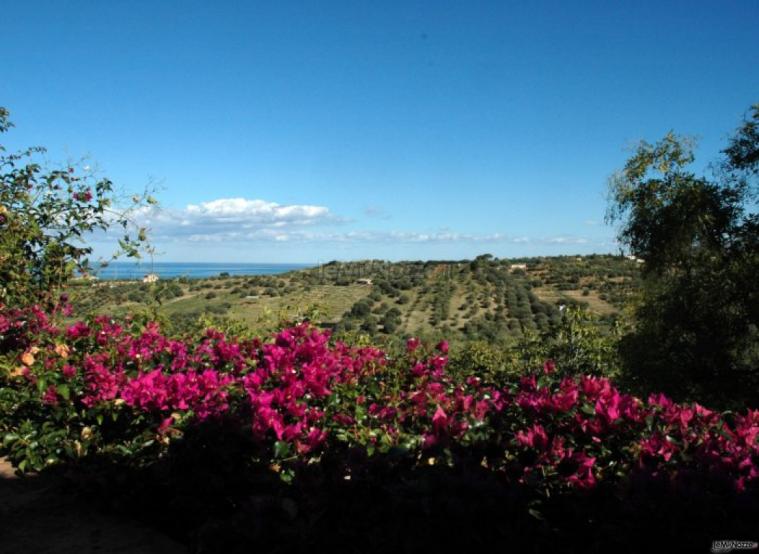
281, 449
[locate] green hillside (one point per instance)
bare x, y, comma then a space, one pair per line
486, 298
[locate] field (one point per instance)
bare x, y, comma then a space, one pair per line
486, 298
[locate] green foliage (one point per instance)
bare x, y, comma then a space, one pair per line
482, 358
696, 334
361, 309
580, 345
391, 321
45, 216
743, 150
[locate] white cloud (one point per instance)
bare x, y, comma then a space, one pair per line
250, 213
241, 220
348, 236
566, 240
229, 218
377, 237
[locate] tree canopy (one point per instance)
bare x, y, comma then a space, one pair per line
46, 215
697, 320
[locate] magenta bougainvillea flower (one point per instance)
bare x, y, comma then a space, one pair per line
299, 393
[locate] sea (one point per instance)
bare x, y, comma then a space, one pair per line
168, 270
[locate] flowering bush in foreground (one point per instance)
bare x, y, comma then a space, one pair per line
120, 389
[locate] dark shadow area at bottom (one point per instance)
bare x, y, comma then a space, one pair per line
208, 496
45, 514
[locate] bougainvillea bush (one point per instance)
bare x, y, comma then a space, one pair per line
306, 409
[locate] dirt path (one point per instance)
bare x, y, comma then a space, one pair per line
37, 517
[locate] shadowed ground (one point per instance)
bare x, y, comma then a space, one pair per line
38, 515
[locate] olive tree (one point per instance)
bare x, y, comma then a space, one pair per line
696, 335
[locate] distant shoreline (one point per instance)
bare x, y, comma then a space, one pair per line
127, 271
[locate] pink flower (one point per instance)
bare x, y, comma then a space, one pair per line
660, 400
29, 376
418, 369
68, 371
84, 196
528, 383
314, 438
78, 330
583, 478
686, 415
275, 423
656, 446
344, 419
557, 448
429, 440
412, 344
481, 408
593, 387
702, 412
439, 420
165, 425
607, 407
292, 431
534, 437
51, 396
567, 396
442, 346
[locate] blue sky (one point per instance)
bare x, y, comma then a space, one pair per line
311, 131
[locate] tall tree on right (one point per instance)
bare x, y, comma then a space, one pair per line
697, 320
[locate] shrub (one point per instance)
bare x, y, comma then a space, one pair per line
236, 412
104, 387
697, 332
44, 215
361, 309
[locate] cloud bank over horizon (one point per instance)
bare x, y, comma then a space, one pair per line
241, 226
